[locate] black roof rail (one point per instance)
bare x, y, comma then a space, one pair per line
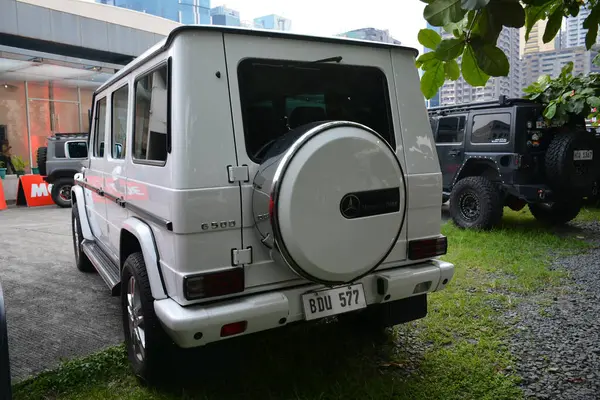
503, 101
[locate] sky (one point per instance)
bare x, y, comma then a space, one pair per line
403, 18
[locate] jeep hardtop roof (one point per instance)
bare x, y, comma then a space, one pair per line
67, 136
166, 42
502, 101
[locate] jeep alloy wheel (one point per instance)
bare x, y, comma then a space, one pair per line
475, 202
135, 315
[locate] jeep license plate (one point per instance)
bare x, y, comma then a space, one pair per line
329, 302
583, 155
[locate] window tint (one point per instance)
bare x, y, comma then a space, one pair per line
491, 128
451, 130
119, 122
59, 150
151, 122
77, 149
100, 128
278, 96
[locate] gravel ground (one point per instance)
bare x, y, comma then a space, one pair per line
557, 340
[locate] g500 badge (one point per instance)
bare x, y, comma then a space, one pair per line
217, 225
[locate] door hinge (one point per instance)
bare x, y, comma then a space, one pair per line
239, 257
239, 173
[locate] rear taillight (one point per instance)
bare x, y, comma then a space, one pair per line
427, 248
214, 284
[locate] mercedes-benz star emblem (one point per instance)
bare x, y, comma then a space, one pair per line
350, 206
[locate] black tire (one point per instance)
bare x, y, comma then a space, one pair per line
476, 203
558, 213
151, 364
42, 156
563, 173
61, 192
81, 260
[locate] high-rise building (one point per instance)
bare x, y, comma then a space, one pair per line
551, 62
459, 91
372, 34
273, 22
225, 16
574, 34
184, 11
536, 42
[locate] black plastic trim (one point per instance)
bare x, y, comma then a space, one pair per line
149, 216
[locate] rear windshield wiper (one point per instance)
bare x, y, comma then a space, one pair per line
336, 59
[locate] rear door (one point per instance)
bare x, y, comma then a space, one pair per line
449, 139
265, 105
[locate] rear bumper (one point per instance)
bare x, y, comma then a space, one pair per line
194, 326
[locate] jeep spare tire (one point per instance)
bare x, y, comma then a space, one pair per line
572, 161
329, 199
42, 156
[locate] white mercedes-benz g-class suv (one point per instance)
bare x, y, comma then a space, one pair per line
242, 180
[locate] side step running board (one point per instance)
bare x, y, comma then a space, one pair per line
105, 267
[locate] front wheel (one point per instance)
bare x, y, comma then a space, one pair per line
147, 343
81, 260
61, 192
475, 202
558, 213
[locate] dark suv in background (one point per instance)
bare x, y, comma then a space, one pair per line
503, 153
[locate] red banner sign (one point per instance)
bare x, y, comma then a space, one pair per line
34, 191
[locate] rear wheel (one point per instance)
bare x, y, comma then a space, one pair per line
475, 202
42, 156
147, 343
61, 192
556, 213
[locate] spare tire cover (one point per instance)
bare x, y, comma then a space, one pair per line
330, 199
572, 161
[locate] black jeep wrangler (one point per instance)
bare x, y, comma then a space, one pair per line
503, 153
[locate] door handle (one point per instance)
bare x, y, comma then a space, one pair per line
454, 153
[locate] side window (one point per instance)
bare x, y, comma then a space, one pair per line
100, 128
120, 103
77, 149
151, 126
451, 129
59, 151
491, 128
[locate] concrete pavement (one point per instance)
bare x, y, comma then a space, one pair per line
54, 311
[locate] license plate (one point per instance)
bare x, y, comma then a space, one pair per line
582, 155
325, 303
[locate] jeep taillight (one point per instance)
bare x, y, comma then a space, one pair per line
427, 248
214, 284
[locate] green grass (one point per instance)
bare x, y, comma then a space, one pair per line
464, 338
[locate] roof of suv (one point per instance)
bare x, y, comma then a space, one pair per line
166, 42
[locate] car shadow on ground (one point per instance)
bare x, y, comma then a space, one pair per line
282, 363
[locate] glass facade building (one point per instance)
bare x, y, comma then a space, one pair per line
273, 21
225, 16
183, 11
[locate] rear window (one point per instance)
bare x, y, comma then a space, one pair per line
491, 128
278, 96
450, 130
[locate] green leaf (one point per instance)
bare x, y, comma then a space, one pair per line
423, 58
544, 79
487, 27
593, 101
550, 111
429, 38
553, 26
473, 4
533, 14
473, 75
430, 64
596, 60
452, 70
491, 59
432, 80
443, 12
509, 13
449, 49
591, 24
